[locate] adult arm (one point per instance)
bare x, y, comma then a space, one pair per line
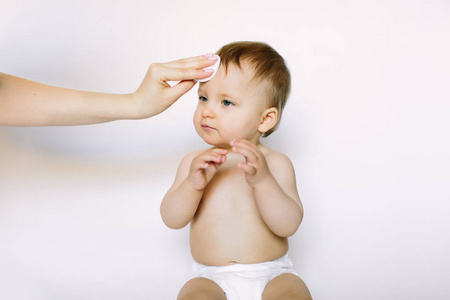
28, 103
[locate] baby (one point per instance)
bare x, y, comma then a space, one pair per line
239, 196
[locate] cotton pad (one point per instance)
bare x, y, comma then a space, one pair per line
214, 68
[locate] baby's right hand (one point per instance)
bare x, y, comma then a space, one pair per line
204, 167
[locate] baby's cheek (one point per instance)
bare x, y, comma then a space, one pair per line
233, 134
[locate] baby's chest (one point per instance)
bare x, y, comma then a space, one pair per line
228, 191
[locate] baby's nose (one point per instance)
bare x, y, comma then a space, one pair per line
207, 112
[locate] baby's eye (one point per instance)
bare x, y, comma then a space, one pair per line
227, 103
202, 99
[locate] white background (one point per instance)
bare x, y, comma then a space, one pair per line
366, 128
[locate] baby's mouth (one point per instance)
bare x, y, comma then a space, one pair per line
204, 126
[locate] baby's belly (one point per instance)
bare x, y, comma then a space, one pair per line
234, 238
228, 228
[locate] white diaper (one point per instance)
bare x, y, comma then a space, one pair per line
245, 281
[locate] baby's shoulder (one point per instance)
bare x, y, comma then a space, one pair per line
185, 163
280, 165
192, 154
275, 157
187, 159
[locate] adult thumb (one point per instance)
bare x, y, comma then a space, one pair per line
178, 90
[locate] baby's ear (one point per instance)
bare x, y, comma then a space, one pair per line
269, 119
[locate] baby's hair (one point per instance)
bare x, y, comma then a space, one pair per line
269, 67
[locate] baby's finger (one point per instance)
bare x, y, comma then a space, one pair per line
249, 169
206, 165
213, 157
243, 143
247, 151
220, 151
212, 167
216, 155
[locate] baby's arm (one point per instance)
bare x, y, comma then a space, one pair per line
195, 171
275, 189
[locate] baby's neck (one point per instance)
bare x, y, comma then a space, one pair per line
228, 146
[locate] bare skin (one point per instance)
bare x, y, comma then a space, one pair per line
285, 287
201, 289
28, 103
222, 235
240, 197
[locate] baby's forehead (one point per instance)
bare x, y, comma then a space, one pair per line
233, 77
237, 82
244, 68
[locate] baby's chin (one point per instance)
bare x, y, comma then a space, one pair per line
222, 145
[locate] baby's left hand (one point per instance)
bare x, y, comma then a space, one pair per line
255, 166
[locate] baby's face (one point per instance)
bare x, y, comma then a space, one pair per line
230, 106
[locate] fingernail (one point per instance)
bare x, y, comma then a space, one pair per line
212, 57
209, 70
208, 55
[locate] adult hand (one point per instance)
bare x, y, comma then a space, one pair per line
28, 103
155, 93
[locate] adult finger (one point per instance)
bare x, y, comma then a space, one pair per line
175, 92
197, 62
178, 74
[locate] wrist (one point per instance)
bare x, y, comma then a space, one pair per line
192, 187
136, 107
